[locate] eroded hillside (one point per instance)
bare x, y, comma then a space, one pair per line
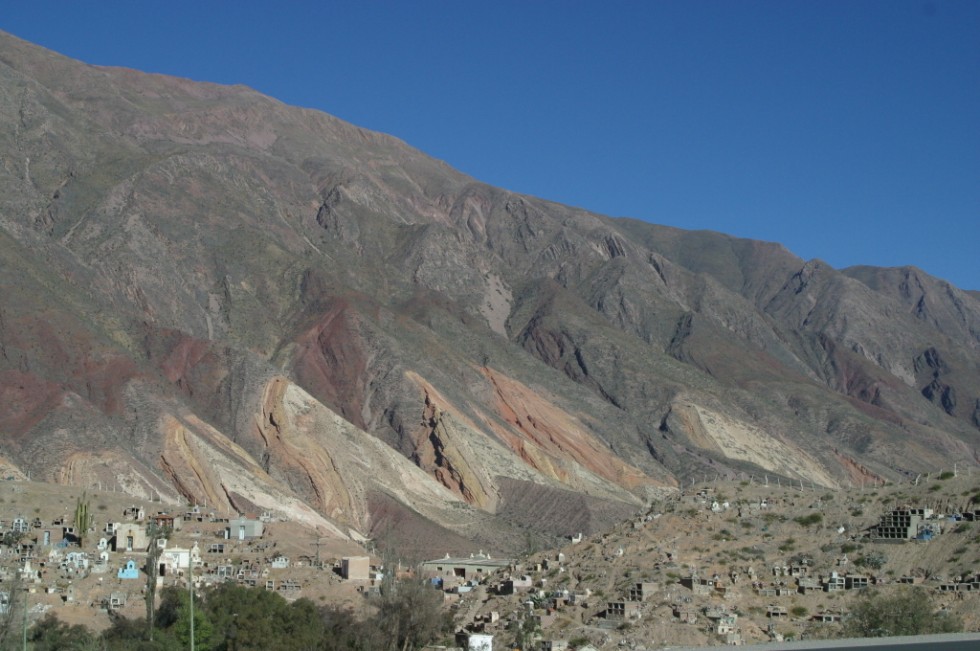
210, 295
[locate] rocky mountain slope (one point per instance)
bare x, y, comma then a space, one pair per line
207, 294
764, 554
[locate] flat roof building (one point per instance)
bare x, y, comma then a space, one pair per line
355, 568
476, 566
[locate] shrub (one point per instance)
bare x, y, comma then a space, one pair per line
806, 521
872, 560
909, 612
52, 634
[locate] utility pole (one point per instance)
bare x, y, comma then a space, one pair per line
316, 543
190, 586
26, 604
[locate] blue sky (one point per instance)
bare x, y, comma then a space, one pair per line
846, 130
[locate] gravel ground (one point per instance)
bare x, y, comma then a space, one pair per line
949, 642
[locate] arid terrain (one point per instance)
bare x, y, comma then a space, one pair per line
737, 548
730, 533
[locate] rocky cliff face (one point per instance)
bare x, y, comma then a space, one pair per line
209, 295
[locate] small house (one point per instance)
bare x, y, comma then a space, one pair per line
622, 610
855, 582
774, 612
807, 585
475, 641
726, 624
553, 645
686, 614
166, 521
114, 601
476, 566
134, 513
833, 583
512, 585
129, 571
698, 585
130, 537
243, 528
355, 568
174, 559
827, 617
642, 591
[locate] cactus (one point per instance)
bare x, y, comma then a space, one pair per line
83, 520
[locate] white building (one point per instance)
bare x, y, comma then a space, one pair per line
243, 529
174, 559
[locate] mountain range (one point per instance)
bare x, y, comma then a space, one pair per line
209, 296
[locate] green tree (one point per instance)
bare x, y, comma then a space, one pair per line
170, 600
526, 631
51, 634
203, 629
410, 613
130, 635
173, 617
245, 618
154, 533
12, 538
907, 612
12, 621
342, 631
